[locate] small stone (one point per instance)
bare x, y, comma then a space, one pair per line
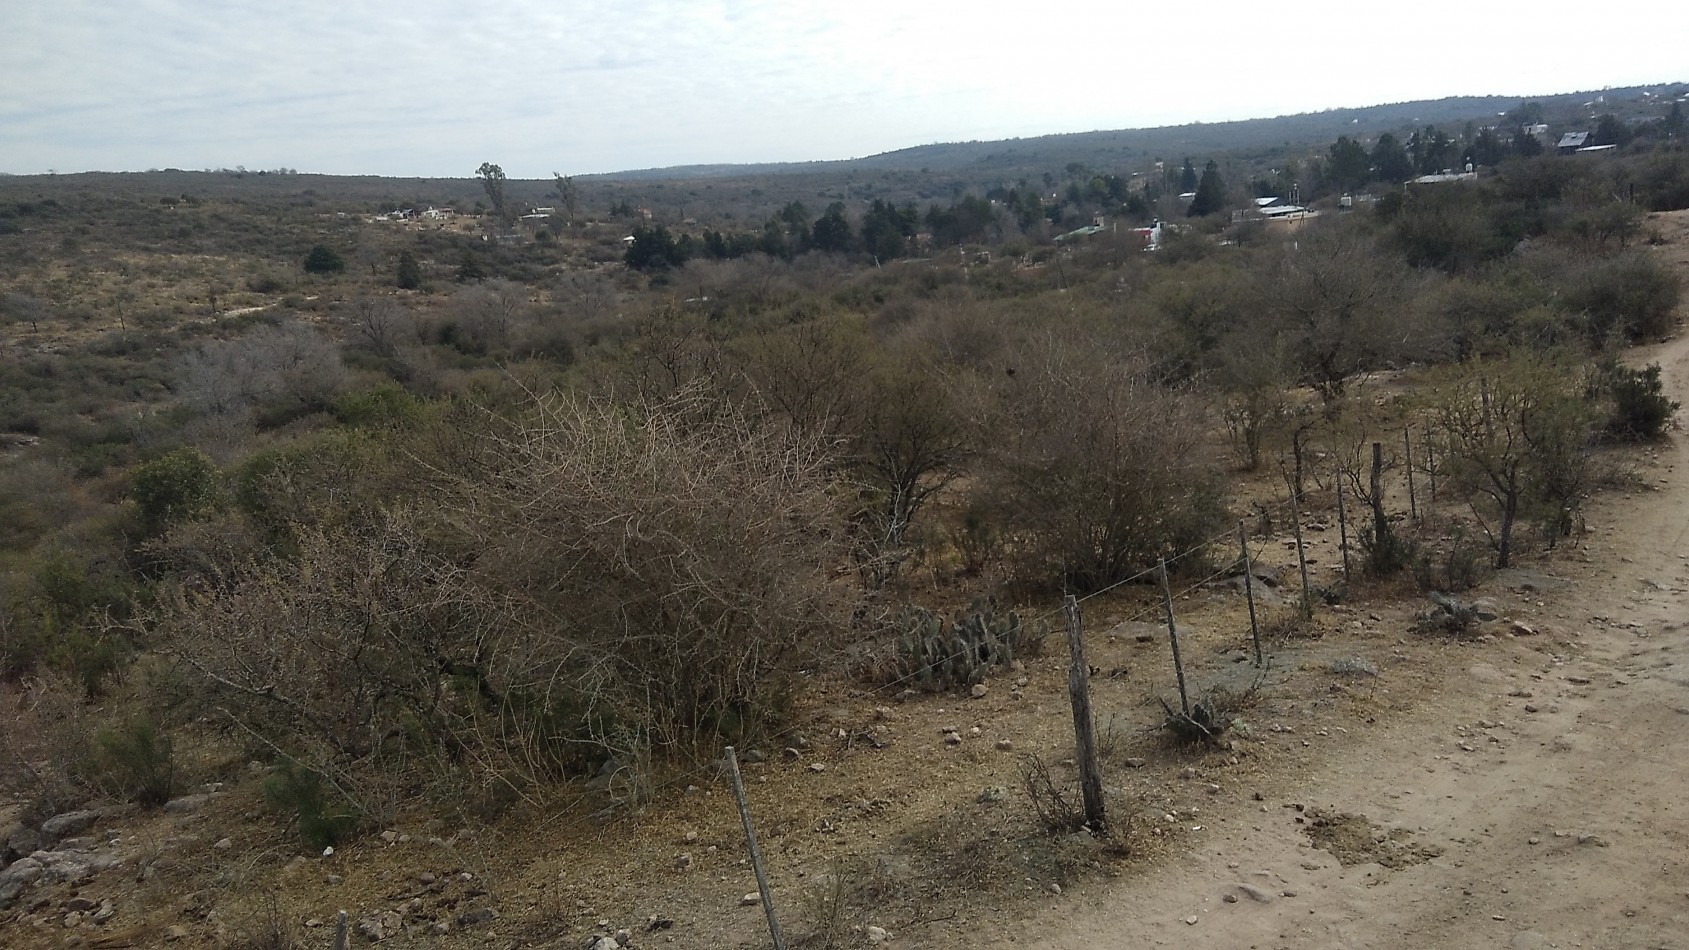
1230, 898
753, 756
876, 934
313, 923
1578, 680
1054, 888
682, 862
1136, 763
1258, 797
474, 917
992, 795
175, 933
749, 899
791, 753
390, 837
817, 766
1530, 708
1594, 840
1005, 745
1191, 920
1255, 894
1187, 772
979, 690
1287, 893
224, 844
332, 879
79, 904
426, 877
951, 738
105, 912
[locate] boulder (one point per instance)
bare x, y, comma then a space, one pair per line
17, 876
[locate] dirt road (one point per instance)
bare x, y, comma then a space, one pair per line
1539, 799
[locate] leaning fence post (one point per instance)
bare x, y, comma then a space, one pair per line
1173, 638
1084, 726
756, 853
340, 931
1249, 592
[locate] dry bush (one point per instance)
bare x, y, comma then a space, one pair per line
1096, 466
595, 582
671, 560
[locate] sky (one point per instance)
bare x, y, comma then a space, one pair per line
429, 88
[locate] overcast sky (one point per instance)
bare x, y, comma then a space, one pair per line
431, 88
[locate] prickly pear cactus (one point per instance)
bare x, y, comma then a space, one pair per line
976, 640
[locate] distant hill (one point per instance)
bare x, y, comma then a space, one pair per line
1109, 148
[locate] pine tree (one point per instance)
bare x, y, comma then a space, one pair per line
1210, 192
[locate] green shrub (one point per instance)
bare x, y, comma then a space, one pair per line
324, 260
326, 816
139, 761
1639, 408
173, 487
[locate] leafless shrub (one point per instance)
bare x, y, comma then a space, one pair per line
1057, 814
288, 369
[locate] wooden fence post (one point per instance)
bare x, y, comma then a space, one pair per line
1249, 592
1084, 726
1301, 557
756, 853
1407, 446
1342, 526
340, 931
1173, 638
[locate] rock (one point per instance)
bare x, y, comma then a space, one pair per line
682, 861
312, 923
1191, 920
426, 877
791, 753
753, 756
1054, 888
20, 842
817, 766
390, 836
439, 928
187, 804
749, 899
876, 934
332, 879
1254, 893
1136, 763
979, 690
73, 919
224, 844
378, 927
1593, 840
1005, 745
79, 904
1356, 666
105, 912
596, 942
175, 933
1230, 898
1521, 629
73, 867
992, 795
474, 917
69, 823
951, 738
